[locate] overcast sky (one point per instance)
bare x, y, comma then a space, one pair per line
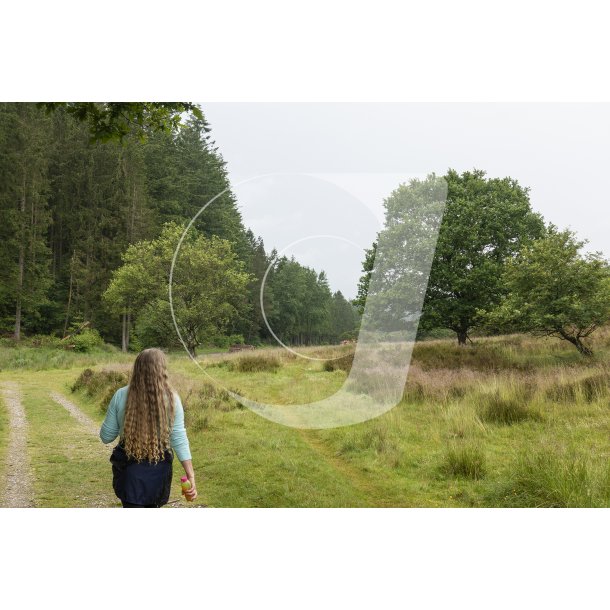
324, 169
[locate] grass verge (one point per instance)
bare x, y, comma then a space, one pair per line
70, 467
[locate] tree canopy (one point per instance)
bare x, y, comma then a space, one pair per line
72, 205
208, 286
485, 224
555, 290
116, 120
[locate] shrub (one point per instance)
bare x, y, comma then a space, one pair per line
135, 344
255, 363
507, 410
83, 380
86, 341
100, 384
467, 461
343, 363
44, 341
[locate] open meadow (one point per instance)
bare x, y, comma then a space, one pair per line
510, 421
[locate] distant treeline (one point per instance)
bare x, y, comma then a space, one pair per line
70, 208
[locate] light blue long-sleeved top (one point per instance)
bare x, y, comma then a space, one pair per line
115, 418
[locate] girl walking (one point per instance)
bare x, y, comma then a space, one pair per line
148, 417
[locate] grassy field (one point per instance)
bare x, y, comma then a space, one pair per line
509, 421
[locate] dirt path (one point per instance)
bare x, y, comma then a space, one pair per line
355, 476
17, 488
91, 426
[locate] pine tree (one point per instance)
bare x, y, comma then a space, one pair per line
24, 149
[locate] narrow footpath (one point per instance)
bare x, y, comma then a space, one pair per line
17, 491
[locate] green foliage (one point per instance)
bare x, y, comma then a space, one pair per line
480, 357
365, 279
86, 341
208, 286
202, 406
25, 146
225, 341
374, 436
555, 291
403, 255
254, 328
304, 311
45, 341
397, 459
71, 208
100, 385
86, 203
116, 120
344, 318
486, 223
435, 333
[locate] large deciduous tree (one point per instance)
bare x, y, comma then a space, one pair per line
555, 290
485, 224
209, 287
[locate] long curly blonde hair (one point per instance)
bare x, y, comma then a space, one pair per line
149, 412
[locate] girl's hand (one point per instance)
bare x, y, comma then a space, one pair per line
191, 494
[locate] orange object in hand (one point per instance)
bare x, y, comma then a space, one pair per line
186, 485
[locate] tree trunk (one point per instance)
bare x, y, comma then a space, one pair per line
125, 334
128, 328
17, 333
583, 349
462, 336
69, 295
577, 342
